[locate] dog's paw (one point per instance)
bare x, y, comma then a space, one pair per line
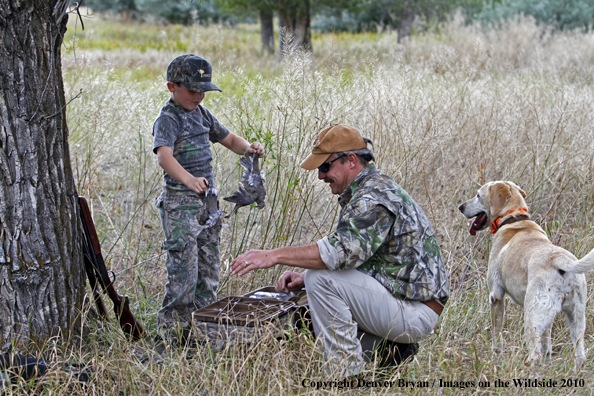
580, 360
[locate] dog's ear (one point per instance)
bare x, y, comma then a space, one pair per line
499, 193
512, 184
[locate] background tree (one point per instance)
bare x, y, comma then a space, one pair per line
183, 12
265, 10
295, 20
558, 14
126, 7
379, 15
267, 29
42, 284
294, 17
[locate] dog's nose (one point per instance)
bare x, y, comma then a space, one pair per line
461, 207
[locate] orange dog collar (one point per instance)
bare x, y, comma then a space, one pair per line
495, 225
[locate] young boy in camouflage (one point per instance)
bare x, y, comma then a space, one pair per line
188, 205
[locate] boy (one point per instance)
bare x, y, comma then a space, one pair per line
182, 132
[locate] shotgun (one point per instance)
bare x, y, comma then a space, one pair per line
97, 274
90, 270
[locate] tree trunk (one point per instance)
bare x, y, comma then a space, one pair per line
267, 31
126, 16
295, 17
42, 284
303, 26
405, 25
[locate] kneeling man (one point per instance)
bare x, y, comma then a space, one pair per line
380, 273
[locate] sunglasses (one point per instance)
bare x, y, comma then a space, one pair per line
325, 167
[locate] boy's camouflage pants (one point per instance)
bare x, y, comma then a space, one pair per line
192, 262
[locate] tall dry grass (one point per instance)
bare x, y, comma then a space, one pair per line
455, 108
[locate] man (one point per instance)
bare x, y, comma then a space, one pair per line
381, 270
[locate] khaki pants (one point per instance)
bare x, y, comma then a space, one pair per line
343, 301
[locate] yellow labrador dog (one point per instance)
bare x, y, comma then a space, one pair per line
525, 265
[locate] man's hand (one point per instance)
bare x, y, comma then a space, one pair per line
254, 259
307, 257
290, 282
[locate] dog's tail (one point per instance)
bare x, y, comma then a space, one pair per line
585, 264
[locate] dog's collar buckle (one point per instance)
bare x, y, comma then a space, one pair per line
497, 224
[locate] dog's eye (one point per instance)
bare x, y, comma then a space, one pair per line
478, 195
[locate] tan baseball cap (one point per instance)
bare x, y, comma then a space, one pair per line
334, 139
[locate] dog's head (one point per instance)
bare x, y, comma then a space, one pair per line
494, 200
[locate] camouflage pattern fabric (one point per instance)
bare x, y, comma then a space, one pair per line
193, 264
188, 133
384, 233
194, 72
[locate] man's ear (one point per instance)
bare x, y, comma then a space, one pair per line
353, 159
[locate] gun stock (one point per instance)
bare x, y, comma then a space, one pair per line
121, 304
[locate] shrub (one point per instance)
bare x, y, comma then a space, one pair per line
559, 14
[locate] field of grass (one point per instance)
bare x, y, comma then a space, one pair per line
455, 108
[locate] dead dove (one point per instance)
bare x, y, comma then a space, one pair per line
251, 186
214, 219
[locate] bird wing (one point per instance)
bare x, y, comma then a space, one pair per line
241, 197
247, 165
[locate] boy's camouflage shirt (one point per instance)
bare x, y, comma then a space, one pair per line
384, 233
188, 133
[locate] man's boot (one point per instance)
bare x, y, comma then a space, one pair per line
394, 353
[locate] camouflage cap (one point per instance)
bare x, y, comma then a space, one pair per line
334, 139
193, 72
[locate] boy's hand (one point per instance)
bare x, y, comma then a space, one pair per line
256, 147
175, 170
197, 184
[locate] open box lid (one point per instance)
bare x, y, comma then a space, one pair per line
248, 318
243, 311
299, 298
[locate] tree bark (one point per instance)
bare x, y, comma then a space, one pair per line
42, 284
267, 31
409, 8
296, 20
405, 25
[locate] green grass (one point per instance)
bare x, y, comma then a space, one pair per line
447, 112
104, 36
